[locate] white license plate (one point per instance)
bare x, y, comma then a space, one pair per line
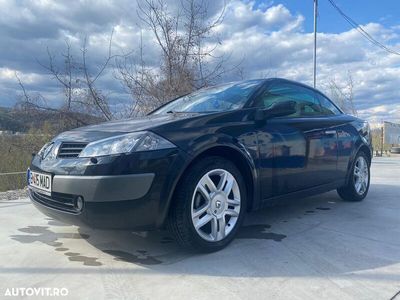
39, 181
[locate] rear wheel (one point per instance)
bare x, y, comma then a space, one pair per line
209, 205
359, 179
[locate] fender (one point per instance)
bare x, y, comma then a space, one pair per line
357, 146
201, 145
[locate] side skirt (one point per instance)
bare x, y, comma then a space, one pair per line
302, 194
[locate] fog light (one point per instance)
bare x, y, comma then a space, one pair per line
79, 203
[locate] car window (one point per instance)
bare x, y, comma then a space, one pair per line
327, 107
306, 100
222, 97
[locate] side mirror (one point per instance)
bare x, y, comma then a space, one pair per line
278, 109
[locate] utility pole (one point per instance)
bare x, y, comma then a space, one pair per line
315, 41
382, 141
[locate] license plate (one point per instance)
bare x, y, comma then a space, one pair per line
39, 181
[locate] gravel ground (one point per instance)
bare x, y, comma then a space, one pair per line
13, 195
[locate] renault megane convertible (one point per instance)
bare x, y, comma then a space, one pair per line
197, 164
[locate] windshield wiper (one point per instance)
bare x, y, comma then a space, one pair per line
176, 112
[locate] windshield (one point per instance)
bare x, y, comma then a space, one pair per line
218, 98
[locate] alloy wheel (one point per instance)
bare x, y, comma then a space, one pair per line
361, 175
215, 205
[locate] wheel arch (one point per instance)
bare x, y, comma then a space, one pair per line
367, 152
238, 157
364, 148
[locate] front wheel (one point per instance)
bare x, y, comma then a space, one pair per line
209, 205
359, 179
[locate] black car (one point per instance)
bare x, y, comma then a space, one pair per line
197, 164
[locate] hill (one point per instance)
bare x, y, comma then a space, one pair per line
19, 120
8, 121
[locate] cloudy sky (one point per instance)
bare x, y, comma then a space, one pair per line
270, 38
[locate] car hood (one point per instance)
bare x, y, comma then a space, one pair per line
111, 128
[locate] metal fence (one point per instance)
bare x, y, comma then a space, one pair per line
12, 180
12, 173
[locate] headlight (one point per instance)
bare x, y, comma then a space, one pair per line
136, 141
45, 150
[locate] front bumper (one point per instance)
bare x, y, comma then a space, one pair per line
104, 188
121, 192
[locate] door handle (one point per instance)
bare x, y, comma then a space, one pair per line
330, 132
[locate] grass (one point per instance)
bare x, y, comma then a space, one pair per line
15, 156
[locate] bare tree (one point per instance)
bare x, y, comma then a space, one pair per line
95, 97
343, 94
78, 83
64, 78
35, 105
187, 59
187, 42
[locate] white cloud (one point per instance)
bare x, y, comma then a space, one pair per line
9, 75
245, 15
281, 48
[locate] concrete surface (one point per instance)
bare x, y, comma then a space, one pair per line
314, 248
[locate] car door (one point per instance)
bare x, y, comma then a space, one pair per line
299, 151
345, 134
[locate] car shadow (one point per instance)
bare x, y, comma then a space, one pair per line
295, 238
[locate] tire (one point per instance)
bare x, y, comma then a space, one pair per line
357, 186
197, 200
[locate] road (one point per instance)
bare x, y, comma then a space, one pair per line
313, 248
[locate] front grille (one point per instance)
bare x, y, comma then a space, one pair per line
65, 202
70, 150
